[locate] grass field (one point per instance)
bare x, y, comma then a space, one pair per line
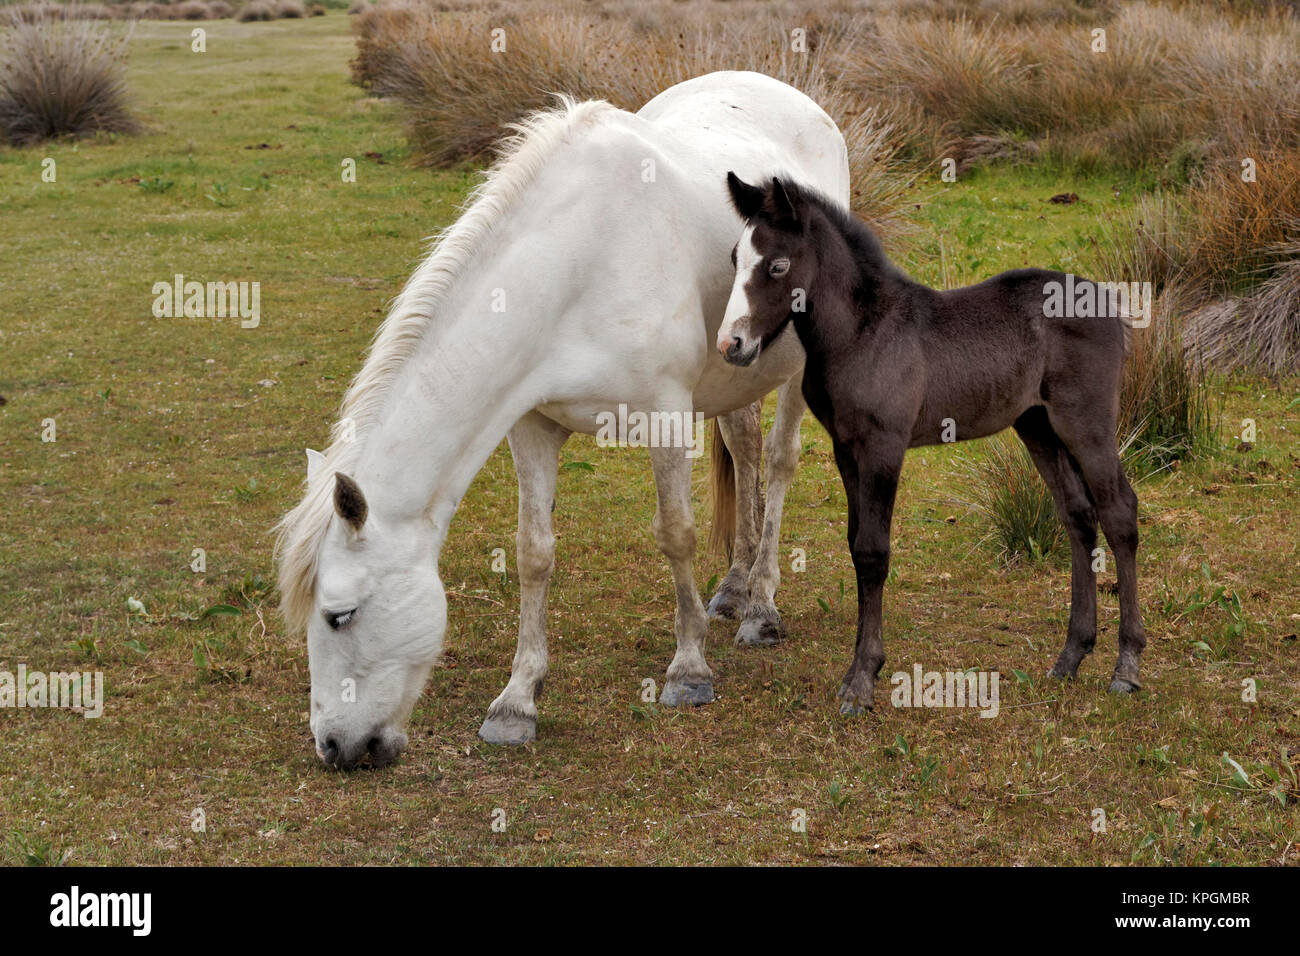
176, 434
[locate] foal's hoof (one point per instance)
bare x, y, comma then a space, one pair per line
1119, 685
1060, 673
727, 603
683, 694
853, 705
509, 729
759, 632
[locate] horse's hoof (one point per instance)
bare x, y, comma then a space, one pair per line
510, 730
1061, 673
683, 694
1119, 685
758, 633
726, 604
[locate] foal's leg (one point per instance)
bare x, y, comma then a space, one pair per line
762, 623
742, 431
872, 482
1075, 507
689, 679
535, 443
1091, 440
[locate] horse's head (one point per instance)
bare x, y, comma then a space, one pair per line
774, 267
376, 626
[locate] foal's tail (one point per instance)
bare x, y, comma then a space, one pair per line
722, 482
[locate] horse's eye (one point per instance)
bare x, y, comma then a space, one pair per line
338, 619
778, 268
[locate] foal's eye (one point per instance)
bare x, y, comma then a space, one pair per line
778, 268
338, 619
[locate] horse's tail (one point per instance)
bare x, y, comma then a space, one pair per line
722, 481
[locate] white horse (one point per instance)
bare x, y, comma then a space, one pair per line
589, 270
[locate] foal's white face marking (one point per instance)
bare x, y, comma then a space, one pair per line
734, 331
378, 619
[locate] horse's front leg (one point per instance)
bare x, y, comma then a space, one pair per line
762, 623
871, 483
741, 493
535, 443
689, 679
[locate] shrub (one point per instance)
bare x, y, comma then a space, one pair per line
192, 10
257, 10
1164, 398
459, 95
220, 10
1232, 249
62, 78
290, 10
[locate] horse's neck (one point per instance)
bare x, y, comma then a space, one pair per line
472, 377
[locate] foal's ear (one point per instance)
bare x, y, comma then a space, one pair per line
747, 199
783, 211
349, 502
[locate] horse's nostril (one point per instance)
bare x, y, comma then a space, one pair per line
736, 343
372, 746
331, 751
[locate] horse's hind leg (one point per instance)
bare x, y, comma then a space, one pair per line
742, 433
535, 443
1078, 513
762, 623
689, 679
1091, 440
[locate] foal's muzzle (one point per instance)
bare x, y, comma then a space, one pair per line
734, 344
737, 352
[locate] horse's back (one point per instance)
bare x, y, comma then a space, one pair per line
755, 125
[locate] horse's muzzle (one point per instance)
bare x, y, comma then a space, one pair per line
378, 749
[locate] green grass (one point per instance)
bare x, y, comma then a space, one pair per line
167, 442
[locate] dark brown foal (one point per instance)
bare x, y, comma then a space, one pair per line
894, 365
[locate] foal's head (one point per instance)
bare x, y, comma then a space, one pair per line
775, 266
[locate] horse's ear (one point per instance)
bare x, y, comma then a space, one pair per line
314, 461
349, 502
747, 199
783, 210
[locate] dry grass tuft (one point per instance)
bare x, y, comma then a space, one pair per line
1003, 486
61, 77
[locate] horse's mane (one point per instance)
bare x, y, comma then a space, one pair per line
521, 158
